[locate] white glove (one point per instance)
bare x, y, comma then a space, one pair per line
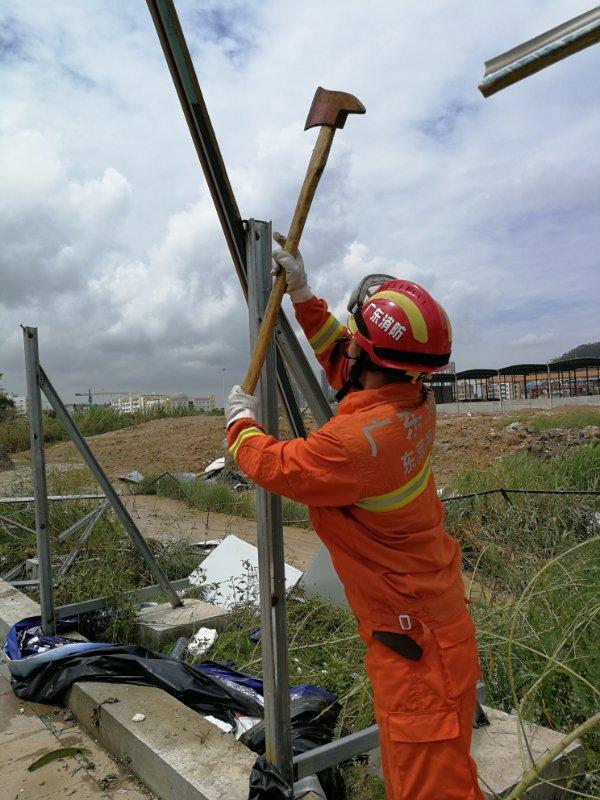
296, 284
240, 405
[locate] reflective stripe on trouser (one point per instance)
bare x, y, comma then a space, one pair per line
424, 710
326, 335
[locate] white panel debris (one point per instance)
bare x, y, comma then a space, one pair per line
202, 641
230, 574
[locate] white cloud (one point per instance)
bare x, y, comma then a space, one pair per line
110, 242
534, 339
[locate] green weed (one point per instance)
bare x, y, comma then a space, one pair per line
14, 430
568, 417
219, 497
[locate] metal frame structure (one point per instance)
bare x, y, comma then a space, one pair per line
269, 519
38, 382
184, 77
540, 52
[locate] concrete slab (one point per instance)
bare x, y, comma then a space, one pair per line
175, 751
161, 624
501, 757
14, 606
26, 735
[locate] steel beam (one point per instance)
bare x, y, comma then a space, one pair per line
540, 52
70, 559
38, 473
205, 142
336, 752
97, 603
80, 522
269, 520
113, 498
50, 498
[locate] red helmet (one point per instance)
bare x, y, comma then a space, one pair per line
400, 326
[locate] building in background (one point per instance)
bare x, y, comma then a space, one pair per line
20, 403
129, 404
206, 404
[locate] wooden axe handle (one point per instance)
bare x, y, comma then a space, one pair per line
315, 169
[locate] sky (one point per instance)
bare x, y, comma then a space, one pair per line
109, 242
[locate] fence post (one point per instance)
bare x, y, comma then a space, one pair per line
38, 474
270, 525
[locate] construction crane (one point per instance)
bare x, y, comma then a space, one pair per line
91, 393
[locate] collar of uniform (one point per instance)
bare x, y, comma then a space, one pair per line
369, 398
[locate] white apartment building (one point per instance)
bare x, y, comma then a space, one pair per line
129, 404
502, 390
20, 403
206, 404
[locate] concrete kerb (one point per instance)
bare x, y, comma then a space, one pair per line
174, 751
160, 624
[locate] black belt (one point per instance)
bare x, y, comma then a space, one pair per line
400, 643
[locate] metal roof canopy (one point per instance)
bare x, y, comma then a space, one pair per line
523, 369
540, 52
441, 377
468, 374
573, 364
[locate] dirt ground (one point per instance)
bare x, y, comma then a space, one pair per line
191, 443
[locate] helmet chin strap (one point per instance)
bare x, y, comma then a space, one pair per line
353, 381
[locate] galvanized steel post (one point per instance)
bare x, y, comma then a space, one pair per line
38, 474
270, 525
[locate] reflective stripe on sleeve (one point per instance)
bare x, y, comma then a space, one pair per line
398, 498
247, 433
326, 335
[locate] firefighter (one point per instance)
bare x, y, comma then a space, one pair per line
366, 478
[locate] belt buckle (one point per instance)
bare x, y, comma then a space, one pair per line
405, 622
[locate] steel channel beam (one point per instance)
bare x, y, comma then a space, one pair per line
98, 603
70, 559
540, 52
336, 752
177, 55
12, 524
50, 498
38, 471
269, 523
80, 522
106, 486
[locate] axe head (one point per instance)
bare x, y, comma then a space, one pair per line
332, 108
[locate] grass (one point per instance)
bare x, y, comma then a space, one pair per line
537, 630
14, 430
568, 417
109, 564
219, 497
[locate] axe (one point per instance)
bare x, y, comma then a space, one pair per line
328, 110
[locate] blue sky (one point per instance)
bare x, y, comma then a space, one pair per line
110, 243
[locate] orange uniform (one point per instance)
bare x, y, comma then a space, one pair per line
367, 480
